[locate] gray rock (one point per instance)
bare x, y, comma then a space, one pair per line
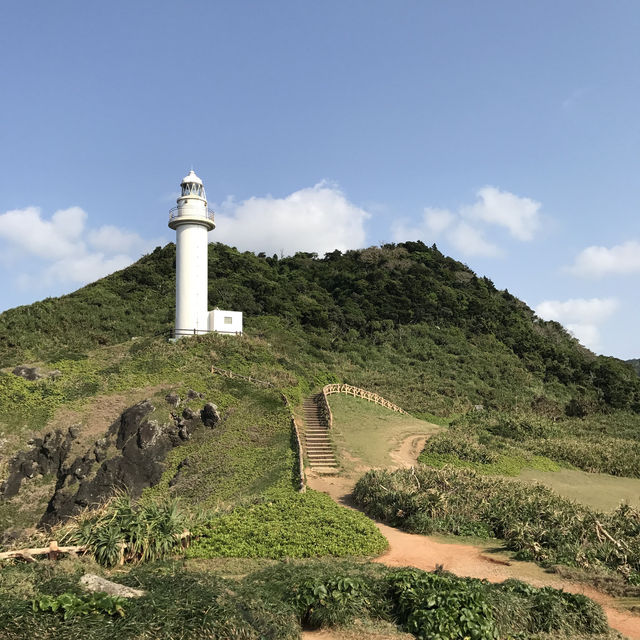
194, 394
92, 582
189, 414
28, 373
173, 399
209, 414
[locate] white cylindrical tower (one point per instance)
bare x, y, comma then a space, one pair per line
192, 220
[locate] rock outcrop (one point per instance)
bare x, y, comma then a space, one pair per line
44, 457
129, 457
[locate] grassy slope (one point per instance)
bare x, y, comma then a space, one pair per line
599, 491
369, 432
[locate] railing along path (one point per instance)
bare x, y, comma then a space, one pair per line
356, 392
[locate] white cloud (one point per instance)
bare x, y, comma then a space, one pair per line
437, 220
471, 242
40, 253
110, 239
621, 259
521, 216
85, 268
582, 317
316, 219
25, 230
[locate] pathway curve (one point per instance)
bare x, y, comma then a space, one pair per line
425, 552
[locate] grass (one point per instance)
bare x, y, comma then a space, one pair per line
371, 432
596, 490
299, 525
505, 443
272, 602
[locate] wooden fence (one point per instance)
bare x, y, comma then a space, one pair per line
302, 487
356, 392
53, 551
233, 376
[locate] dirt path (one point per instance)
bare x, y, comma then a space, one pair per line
425, 552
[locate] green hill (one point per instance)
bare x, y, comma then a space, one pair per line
401, 318
635, 363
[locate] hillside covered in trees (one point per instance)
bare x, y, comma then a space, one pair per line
397, 310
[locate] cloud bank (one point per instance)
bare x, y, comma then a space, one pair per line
315, 219
596, 262
61, 250
582, 317
463, 228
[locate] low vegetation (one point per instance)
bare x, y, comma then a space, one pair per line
275, 601
504, 443
281, 525
532, 520
123, 532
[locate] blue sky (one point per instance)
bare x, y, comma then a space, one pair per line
506, 132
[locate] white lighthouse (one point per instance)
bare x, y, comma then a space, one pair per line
192, 220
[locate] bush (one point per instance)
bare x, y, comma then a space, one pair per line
533, 520
120, 530
432, 606
287, 524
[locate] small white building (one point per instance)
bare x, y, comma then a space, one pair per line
192, 220
225, 321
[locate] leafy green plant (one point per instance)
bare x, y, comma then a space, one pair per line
331, 602
432, 606
69, 604
133, 533
287, 524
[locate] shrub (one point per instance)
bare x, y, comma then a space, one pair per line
533, 520
432, 606
288, 524
148, 531
69, 604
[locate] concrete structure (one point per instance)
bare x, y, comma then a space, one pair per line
192, 221
225, 321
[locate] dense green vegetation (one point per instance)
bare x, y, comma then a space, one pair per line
635, 363
499, 442
273, 602
382, 312
288, 525
533, 520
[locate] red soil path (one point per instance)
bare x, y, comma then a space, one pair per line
425, 552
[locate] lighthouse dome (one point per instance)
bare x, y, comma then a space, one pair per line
191, 178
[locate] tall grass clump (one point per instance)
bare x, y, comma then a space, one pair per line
121, 531
534, 521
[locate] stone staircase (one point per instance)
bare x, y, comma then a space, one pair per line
317, 442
